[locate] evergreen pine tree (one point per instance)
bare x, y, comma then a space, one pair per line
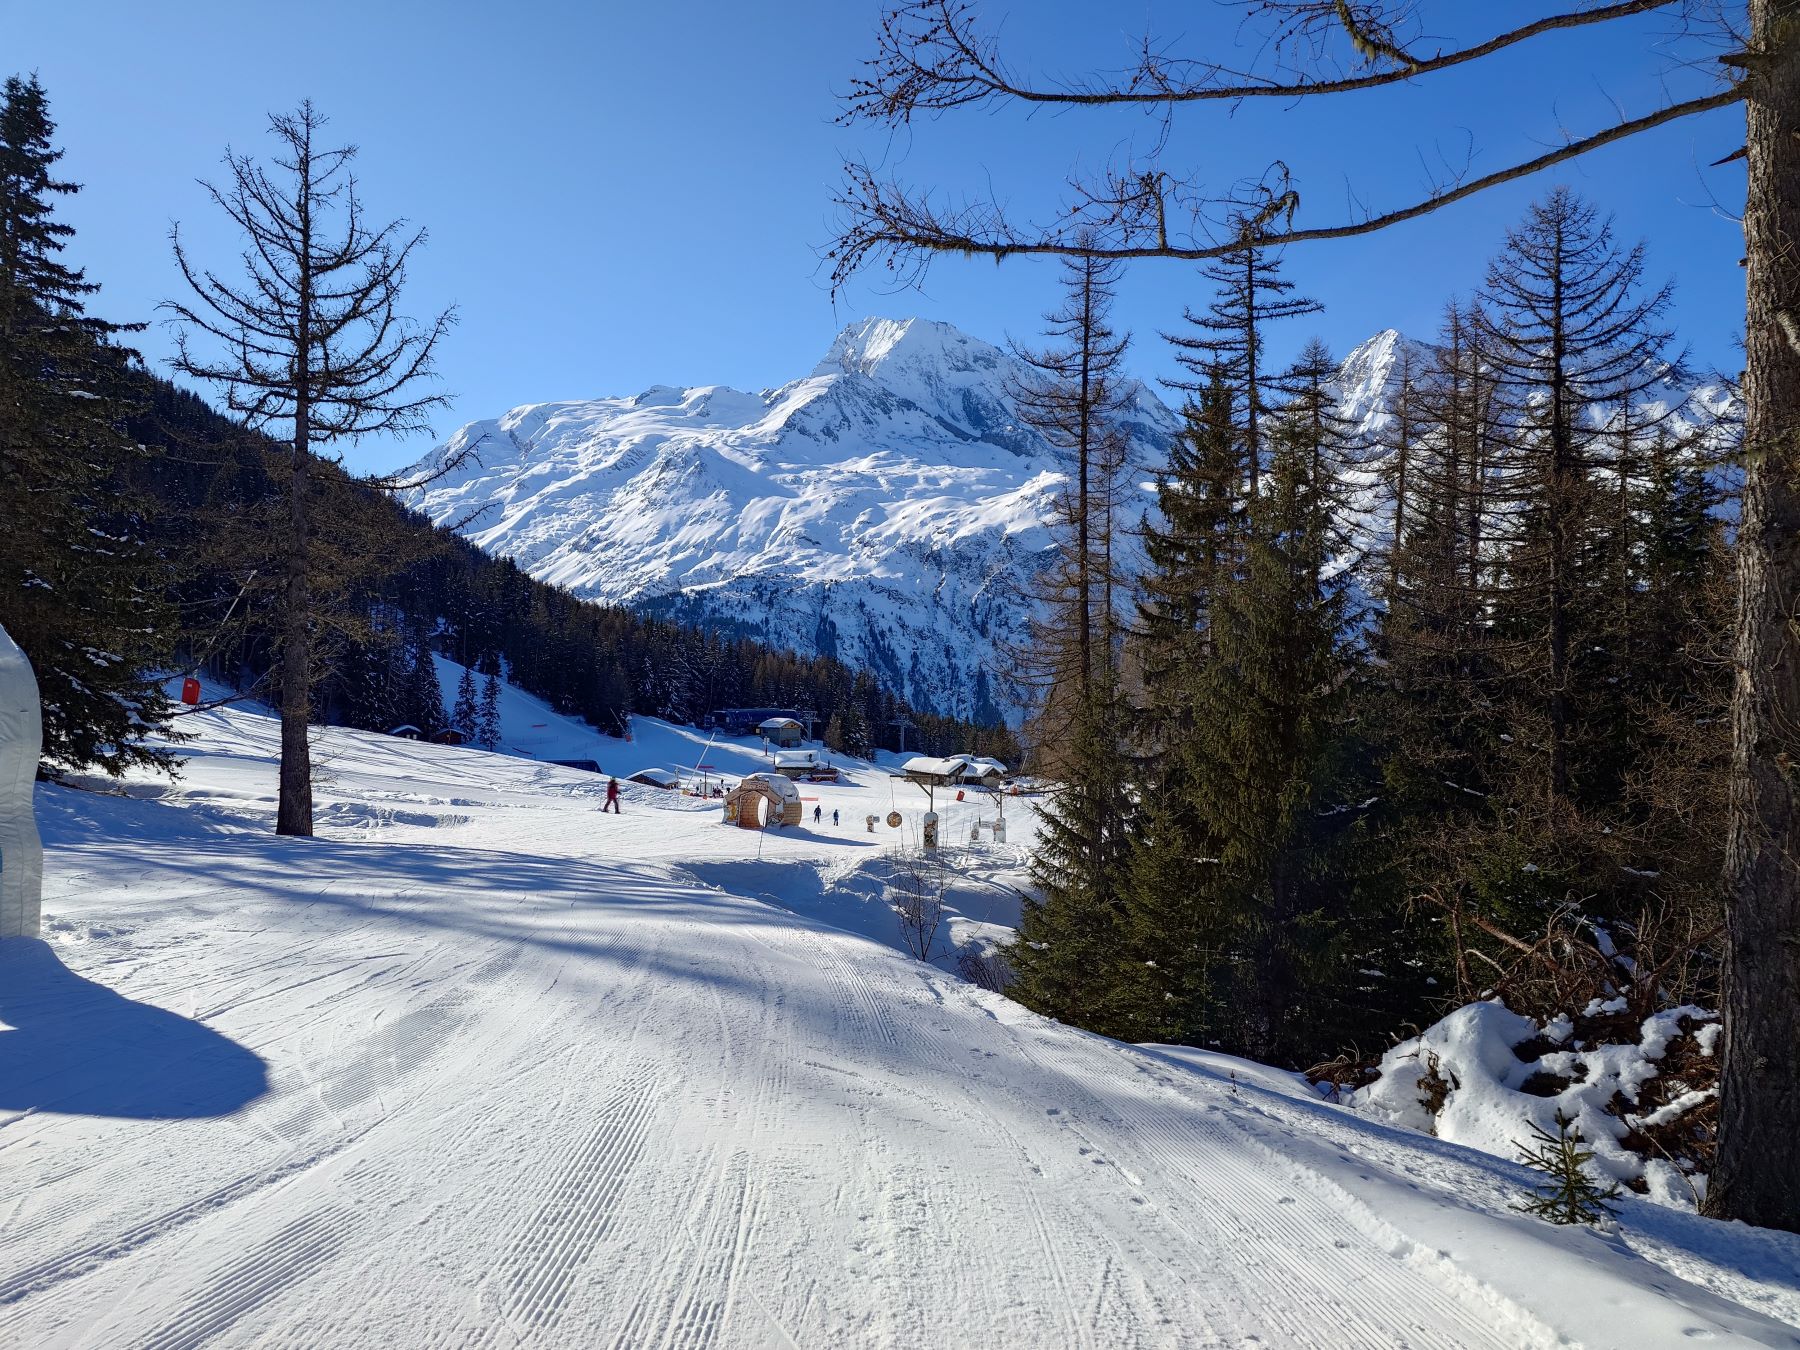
465, 715
1066, 953
80, 591
310, 346
1266, 743
487, 719
424, 692
1226, 343
1188, 547
1171, 931
1567, 332
1568, 1195
1398, 442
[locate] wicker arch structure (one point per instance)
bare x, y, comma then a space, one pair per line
744, 803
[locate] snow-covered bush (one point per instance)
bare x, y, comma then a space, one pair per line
1638, 1091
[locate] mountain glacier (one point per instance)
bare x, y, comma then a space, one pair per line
888, 509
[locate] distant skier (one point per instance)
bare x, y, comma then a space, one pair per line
818, 813
834, 817
612, 798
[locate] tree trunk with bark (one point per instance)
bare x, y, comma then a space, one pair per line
1756, 1177
294, 806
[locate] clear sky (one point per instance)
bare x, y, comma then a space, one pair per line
626, 194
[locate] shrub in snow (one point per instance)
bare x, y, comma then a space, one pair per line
980, 965
1569, 1196
915, 887
1638, 1092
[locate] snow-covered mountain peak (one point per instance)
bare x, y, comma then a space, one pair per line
1366, 377
895, 350
960, 381
889, 508
885, 508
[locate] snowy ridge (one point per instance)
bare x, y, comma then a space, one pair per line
887, 509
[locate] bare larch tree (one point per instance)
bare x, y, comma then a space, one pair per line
307, 345
934, 56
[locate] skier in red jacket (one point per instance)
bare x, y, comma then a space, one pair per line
612, 798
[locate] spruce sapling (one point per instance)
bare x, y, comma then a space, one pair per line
1569, 1195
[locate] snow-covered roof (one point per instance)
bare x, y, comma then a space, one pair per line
952, 768
927, 766
405, 727
662, 776
782, 787
794, 758
776, 723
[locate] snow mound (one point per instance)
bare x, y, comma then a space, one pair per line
1485, 1076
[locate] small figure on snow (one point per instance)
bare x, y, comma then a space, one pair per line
834, 817
818, 813
612, 798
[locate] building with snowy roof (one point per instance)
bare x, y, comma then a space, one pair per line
656, 778
954, 771
785, 732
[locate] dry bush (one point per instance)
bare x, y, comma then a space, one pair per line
915, 888
982, 967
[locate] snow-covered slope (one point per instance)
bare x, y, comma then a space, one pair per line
482, 1067
887, 508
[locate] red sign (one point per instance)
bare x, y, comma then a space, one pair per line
190, 691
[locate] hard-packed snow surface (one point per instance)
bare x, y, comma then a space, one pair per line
887, 508
482, 1067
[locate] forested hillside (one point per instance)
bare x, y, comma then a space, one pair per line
393, 587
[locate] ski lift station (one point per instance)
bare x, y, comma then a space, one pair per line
954, 771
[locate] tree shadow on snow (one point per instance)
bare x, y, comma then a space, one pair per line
78, 1048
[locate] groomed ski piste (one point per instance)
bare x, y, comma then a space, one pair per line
481, 1066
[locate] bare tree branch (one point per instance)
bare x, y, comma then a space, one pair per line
931, 57
1126, 216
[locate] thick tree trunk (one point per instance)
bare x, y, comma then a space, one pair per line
294, 805
1756, 1177
294, 809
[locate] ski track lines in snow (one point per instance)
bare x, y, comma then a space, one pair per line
528, 1084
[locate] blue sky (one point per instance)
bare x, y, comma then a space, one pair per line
620, 195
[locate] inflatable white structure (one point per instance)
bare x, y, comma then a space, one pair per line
21, 741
